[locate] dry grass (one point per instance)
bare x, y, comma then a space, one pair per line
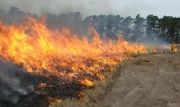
178, 48
174, 61
141, 61
157, 48
93, 96
68, 103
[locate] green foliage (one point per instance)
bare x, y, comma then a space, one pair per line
152, 27
138, 32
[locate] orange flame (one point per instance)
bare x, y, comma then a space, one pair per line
40, 50
87, 82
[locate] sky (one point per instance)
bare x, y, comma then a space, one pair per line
124, 8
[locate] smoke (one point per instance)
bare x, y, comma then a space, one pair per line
10, 88
86, 7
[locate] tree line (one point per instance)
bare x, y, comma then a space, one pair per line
151, 28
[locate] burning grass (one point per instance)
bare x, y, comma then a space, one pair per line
93, 96
58, 64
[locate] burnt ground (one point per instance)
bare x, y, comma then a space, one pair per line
151, 80
18, 88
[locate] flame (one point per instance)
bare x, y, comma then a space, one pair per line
42, 85
43, 51
87, 82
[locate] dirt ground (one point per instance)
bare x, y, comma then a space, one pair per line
151, 80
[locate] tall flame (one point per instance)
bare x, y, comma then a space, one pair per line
40, 50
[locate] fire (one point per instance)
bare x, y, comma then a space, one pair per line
45, 52
87, 82
42, 85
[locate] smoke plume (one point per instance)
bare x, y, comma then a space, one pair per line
10, 88
86, 7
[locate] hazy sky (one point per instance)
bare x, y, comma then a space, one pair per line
89, 7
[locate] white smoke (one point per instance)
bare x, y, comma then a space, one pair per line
86, 7
10, 88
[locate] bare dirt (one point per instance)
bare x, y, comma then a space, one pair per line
151, 80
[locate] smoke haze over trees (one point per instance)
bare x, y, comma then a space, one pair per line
135, 29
